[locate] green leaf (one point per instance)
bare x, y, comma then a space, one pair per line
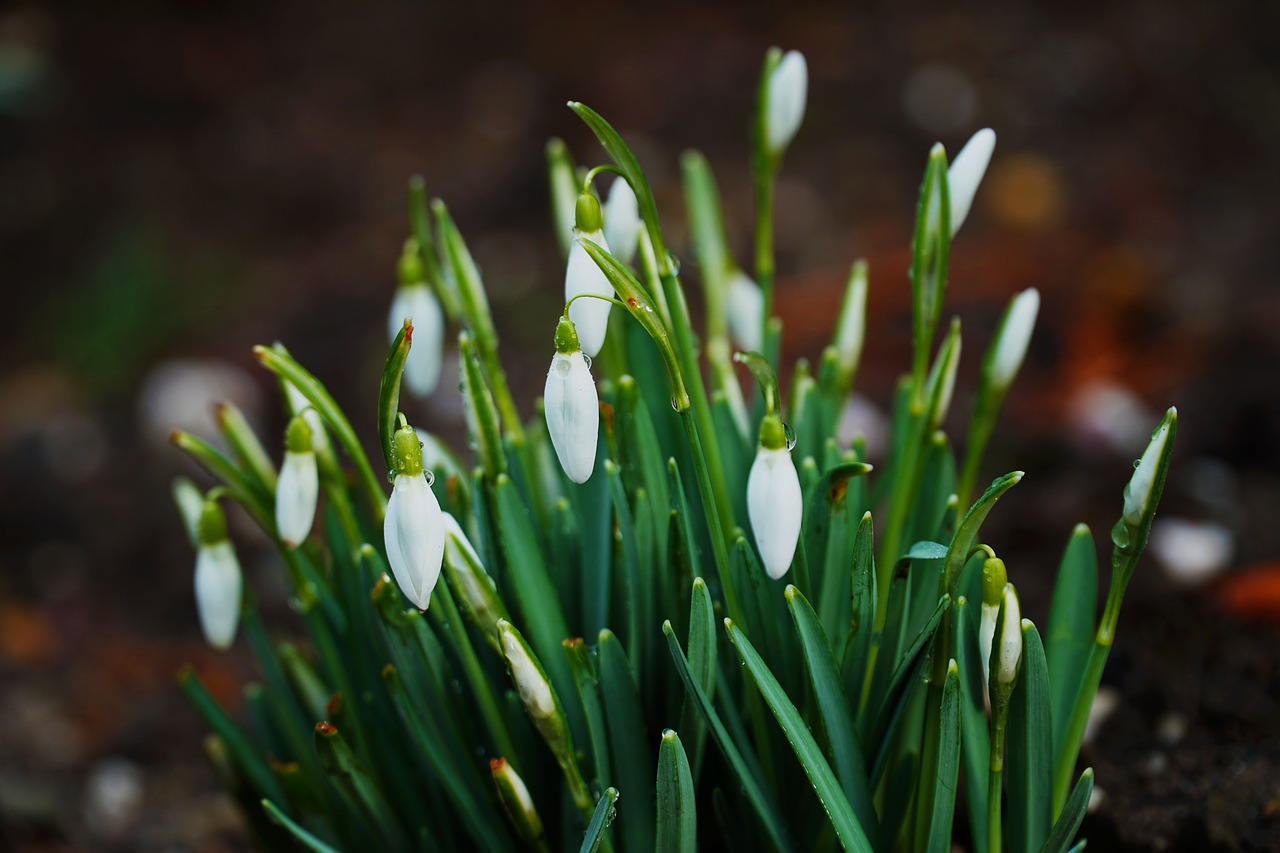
944, 791
1069, 638
702, 663
562, 177
826, 523
833, 706
306, 839
600, 820
930, 249
1068, 823
975, 746
242, 489
389, 389
967, 532
824, 781
1029, 751
482, 414
354, 783
588, 684
862, 616
632, 764
245, 445
764, 806
677, 818
243, 753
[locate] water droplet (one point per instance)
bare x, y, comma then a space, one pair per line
563, 367
675, 404
391, 476
790, 436
587, 359
674, 262
1136, 463
431, 478
648, 307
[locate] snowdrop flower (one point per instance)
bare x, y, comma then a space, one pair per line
415, 300
470, 582
300, 405
1009, 655
531, 683
774, 502
744, 308
571, 403
298, 487
413, 530
966, 173
1141, 493
513, 794
851, 324
622, 221
994, 579
582, 275
788, 89
218, 580
1013, 337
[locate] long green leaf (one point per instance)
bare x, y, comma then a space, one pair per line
306, 839
1068, 823
389, 389
944, 791
1069, 638
632, 762
677, 817
824, 781
600, 820
975, 739
1029, 753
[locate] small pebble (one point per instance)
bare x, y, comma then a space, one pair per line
1171, 728
113, 796
1192, 552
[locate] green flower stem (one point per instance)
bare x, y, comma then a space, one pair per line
451, 622
986, 409
906, 476
993, 811
764, 172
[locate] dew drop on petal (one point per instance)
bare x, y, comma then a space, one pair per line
675, 404
586, 358
563, 367
431, 478
673, 262
391, 476
790, 435
1136, 463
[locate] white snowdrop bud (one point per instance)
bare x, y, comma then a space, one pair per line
1014, 336
966, 173
413, 529
774, 502
584, 276
622, 221
415, 300
218, 581
572, 405
1140, 493
994, 579
298, 487
531, 683
300, 405
1010, 639
744, 309
787, 92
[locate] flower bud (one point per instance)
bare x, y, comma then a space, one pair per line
515, 799
583, 276
622, 221
1013, 337
966, 173
774, 503
571, 405
526, 673
1141, 492
299, 405
851, 324
470, 582
994, 578
413, 529
298, 486
787, 91
218, 581
415, 300
744, 309
1010, 652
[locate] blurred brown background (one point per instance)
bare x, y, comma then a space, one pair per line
179, 182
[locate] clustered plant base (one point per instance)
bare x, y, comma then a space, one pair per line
666, 611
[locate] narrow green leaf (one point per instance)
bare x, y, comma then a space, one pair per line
944, 791
967, 532
239, 485
632, 762
600, 820
824, 781
677, 817
389, 389
1029, 753
1068, 823
702, 663
862, 616
764, 806
826, 528
353, 781
833, 706
562, 177
244, 443
975, 738
1069, 638
243, 753
588, 684
306, 839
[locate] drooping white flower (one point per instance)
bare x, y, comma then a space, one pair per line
774, 502
966, 173
584, 276
787, 93
300, 405
744, 309
1014, 337
218, 580
298, 487
622, 221
1140, 491
422, 367
531, 683
413, 530
1010, 653
572, 406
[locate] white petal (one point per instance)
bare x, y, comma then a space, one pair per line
622, 220
1015, 336
1010, 637
775, 507
572, 408
414, 535
296, 493
218, 587
422, 369
532, 686
582, 275
986, 636
1137, 495
299, 403
966, 173
788, 90
744, 309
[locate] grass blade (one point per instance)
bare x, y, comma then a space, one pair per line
600, 820
677, 818
306, 839
632, 764
948, 764
1029, 754
1069, 638
1069, 821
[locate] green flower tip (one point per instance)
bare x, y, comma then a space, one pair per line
567, 337
994, 577
772, 434
213, 524
406, 451
410, 269
586, 215
297, 438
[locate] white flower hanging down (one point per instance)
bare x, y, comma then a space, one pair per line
622, 221
744, 309
298, 487
774, 502
965, 173
414, 530
218, 581
415, 300
788, 91
571, 403
1013, 337
583, 276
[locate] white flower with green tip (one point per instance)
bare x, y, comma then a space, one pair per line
571, 404
413, 529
